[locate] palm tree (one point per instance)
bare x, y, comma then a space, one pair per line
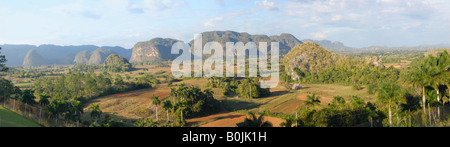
441, 64
43, 102
312, 100
146, 123
156, 102
167, 105
253, 121
289, 121
389, 93
337, 102
421, 76
95, 111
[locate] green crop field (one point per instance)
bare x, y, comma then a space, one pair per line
11, 119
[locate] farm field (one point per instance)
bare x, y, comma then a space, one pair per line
136, 105
130, 106
227, 120
11, 119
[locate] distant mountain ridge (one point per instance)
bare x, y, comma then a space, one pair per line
331, 46
160, 49
52, 54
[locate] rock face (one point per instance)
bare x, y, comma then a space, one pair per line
82, 57
159, 48
99, 56
287, 41
33, 59
309, 57
155, 49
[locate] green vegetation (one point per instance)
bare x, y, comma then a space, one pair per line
115, 63
11, 119
253, 121
310, 63
431, 73
337, 91
245, 88
2, 60
192, 102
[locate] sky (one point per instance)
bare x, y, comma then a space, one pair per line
356, 23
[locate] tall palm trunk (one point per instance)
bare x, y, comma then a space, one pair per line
390, 116
156, 112
40, 114
438, 96
25, 111
168, 116
424, 100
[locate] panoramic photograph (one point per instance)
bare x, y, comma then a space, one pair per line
224, 63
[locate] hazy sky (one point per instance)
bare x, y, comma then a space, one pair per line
123, 23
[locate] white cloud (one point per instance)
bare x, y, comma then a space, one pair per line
320, 35
213, 22
153, 5
268, 5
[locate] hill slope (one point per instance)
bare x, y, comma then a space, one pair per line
155, 49
53, 54
11, 119
309, 57
287, 41
33, 59
99, 56
117, 63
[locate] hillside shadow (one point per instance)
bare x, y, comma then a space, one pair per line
304, 88
235, 105
278, 93
194, 123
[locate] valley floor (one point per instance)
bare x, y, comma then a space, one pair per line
136, 105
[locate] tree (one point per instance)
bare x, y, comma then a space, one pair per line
253, 121
441, 65
420, 75
167, 105
289, 121
3, 60
146, 123
43, 102
156, 102
388, 93
28, 97
193, 102
95, 111
312, 101
6, 88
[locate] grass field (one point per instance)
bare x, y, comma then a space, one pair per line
11, 119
